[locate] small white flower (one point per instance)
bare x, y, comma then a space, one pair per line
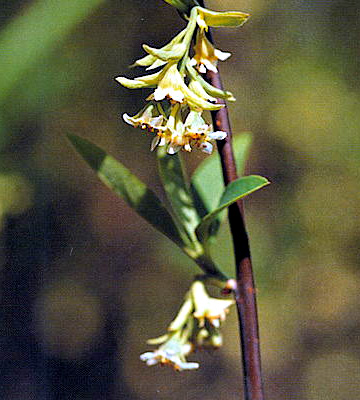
200, 133
148, 118
172, 352
171, 85
206, 56
209, 308
172, 131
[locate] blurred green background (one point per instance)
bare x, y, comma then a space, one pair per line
85, 281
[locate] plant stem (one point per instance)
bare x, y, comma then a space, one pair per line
245, 293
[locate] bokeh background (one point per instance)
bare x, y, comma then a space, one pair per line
85, 281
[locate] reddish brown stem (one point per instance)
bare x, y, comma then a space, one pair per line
245, 293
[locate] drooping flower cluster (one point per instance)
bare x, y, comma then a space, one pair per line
196, 326
175, 107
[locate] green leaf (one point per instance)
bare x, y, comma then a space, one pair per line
227, 18
207, 181
127, 186
235, 191
177, 191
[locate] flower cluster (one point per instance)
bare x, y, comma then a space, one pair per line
196, 326
175, 107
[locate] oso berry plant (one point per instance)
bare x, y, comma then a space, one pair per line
174, 114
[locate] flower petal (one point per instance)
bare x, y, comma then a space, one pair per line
162, 142
157, 63
187, 147
160, 93
202, 69
227, 18
211, 90
147, 356
144, 61
215, 322
132, 84
154, 143
181, 366
151, 79
173, 149
192, 62
152, 361
129, 120
210, 65
206, 147
197, 88
175, 53
176, 95
218, 135
197, 102
221, 55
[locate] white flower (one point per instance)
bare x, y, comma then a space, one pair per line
200, 133
173, 132
172, 352
194, 132
148, 118
206, 56
171, 85
209, 308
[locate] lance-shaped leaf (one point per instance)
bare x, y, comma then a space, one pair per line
226, 18
177, 191
127, 186
235, 191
